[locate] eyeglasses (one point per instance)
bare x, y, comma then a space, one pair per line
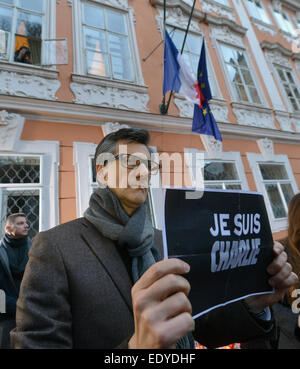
133, 162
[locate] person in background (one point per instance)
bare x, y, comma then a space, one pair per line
14, 248
288, 321
23, 55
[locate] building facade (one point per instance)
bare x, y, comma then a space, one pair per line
55, 106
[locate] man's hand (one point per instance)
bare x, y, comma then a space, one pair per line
162, 311
282, 278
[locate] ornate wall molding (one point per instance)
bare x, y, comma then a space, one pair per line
123, 4
266, 147
15, 84
111, 127
277, 5
254, 116
225, 34
218, 8
284, 120
264, 27
177, 18
213, 147
11, 126
296, 122
218, 107
111, 97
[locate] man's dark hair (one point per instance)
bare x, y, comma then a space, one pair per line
109, 142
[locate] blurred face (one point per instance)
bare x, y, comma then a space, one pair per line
19, 229
128, 182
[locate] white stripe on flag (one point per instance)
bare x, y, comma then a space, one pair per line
188, 82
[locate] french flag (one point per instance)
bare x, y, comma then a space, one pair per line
177, 75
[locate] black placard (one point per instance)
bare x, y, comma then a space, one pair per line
228, 261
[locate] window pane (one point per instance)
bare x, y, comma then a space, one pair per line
234, 74
242, 92
287, 191
281, 75
97, 63
95, 40
215, 187
118, 46
290, 77
270, 171
19, 169
233, 187
254, 95
275, 201
29, 25
93, 16
247, 77
26, 202
10, 2
36, 5
116, 22
193, 44
240, 57
217, 171
228, 54
5, 19
121, 68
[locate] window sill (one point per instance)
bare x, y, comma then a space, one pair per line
28, 69
104, 82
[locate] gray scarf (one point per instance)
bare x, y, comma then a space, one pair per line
133, 233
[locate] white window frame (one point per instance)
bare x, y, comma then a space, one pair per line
289, 20
233, 157
287, 69
254, 160
48, 152
263, 7
83, 153
48, 33
251, 69
78, 41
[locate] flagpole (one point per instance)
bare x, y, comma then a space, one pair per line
163, 108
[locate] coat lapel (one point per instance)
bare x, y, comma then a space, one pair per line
107, 254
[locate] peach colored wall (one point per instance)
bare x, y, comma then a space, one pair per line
66, 134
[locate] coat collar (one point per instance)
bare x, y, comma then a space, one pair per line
108, 255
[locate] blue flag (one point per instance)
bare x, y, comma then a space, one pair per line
203, 119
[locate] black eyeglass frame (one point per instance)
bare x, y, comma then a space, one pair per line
147, 163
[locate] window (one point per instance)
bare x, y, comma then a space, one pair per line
20, 188
191, 53
22, 30
284, 22
221, 175
291, 89
106, 42
239, 75
274, 178
257, 11
278, 187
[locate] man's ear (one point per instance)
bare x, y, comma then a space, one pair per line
8, 229
102, 175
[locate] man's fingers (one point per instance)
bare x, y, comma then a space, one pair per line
176, 328
277, 263
278, 248
167, 286
159, 270
284, 284
279, 277
171, 307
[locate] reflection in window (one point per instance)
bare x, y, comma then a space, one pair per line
290, 87
21, 28
284, 22
240, 75
107, 48
257, 10
278, 188
221, 175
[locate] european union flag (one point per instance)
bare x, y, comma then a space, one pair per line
203, 119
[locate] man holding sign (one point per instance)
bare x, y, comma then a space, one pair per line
100, 281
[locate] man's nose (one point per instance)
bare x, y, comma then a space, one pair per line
143, 170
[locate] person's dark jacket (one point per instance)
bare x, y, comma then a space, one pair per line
76, 293
11, 290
